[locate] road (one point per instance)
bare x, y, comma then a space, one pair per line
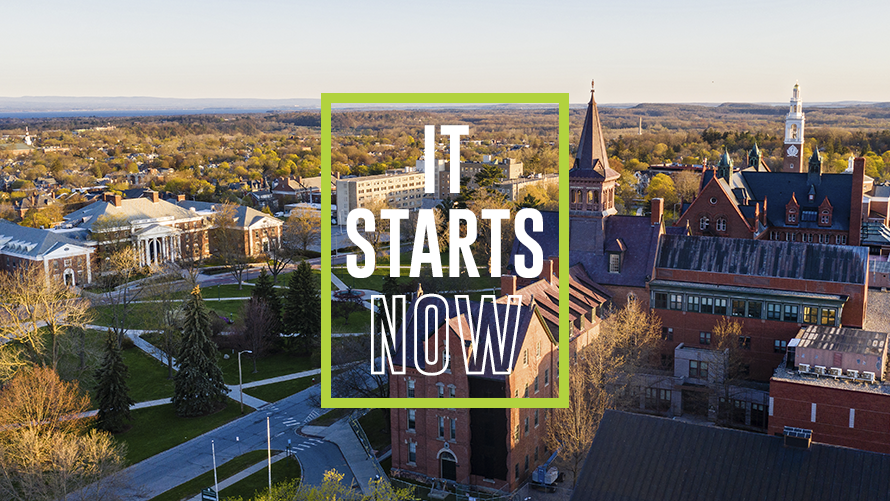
170, 468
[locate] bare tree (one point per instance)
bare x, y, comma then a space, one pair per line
254, 330
120, 268
730, 359
302, 230
165, 315
45, 453
687, 183
229, 241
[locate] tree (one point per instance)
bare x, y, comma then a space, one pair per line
332, 488
46, 453
484, 200
229, 240
662, 186
686, 183
112, 391
199, 385
489, 176
730, 359
254, 331
302, 230
120, 266
302, 309
264, 291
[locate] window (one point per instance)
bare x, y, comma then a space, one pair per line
410, 388
738, 307
841, 239
411, 416
525, 358
720, 306
412, 452
441, 426
526, 391
692, 303
446, 361
758, 416
824, 218
658, 399
810, 314
526, 426
453, 429
661, 300
780, 346
667, 333
792, 217
546, 377
704, 338
536, 425
828, 315
526, 462
538, 349
707, 305
676, 301
721, 224
790, 313
703, 223
773, 311
452, 390
698, 369
536, 449
789, 237
536, 384
516, 433
745, 342
614, 262
517, 471
755, 309
440, 388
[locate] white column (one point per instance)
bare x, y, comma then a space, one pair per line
89, 269
164, 247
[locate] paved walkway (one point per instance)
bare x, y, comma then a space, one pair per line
363, 467
241, 475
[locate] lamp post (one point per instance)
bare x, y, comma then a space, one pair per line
240, 386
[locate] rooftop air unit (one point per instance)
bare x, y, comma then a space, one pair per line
869, 376
853, 373
803, 367
819, 369
835, 371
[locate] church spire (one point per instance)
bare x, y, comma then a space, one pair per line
814, 174
724, 166
794, 137
754, 157
592, 147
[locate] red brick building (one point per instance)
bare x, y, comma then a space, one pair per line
62, 258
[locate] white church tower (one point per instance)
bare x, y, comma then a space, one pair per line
793, 149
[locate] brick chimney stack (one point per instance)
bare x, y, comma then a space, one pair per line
657, 210
856, 201
508, 285
117, 200
547, 271
155, 196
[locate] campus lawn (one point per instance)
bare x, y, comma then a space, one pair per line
194, 486
147, 376
374, 424
276, 391
273, 365
145, 438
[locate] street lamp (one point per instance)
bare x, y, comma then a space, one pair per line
240, 386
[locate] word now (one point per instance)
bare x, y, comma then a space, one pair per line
483, 352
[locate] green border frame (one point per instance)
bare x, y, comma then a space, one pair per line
327, 99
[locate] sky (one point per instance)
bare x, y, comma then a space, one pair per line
708, 51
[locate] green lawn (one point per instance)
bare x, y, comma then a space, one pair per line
276, 391
331, 417
375, 425
147, 376
446, 283
274, 365
156, 429
194, 486
359, 321
227, 290
284, 469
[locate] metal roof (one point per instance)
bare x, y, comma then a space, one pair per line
842, 339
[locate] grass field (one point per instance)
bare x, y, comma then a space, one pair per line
146, 438
274, 365
284, 469
194, 486
375, 425
276, 391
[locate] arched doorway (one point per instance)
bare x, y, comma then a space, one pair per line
447, 466
68, 276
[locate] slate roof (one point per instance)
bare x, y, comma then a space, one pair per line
32, 242
244, 216
765, 258
488, 328
592, 160
874, 233
645, 458
131, 209
842, 339
638, 235
777, 188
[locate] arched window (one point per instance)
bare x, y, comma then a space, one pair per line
703, 223
721, 224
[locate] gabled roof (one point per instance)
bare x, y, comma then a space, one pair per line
131, 210
765, 258
645, 458
32, 242
779, 187
245, 217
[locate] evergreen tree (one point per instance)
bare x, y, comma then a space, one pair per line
265, 292
111, 388
198, 385
302, 309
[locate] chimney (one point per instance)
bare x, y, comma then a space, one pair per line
180, 198
547, 271
154, 196
117, 200
555, 266
657, 210
799, 438
856, 202
763, 218
508, 285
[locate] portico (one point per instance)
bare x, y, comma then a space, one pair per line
157, 244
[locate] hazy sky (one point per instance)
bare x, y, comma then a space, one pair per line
636, 50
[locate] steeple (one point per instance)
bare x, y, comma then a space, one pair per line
814, 174
794, 138
754, 157
592, 146
724, 166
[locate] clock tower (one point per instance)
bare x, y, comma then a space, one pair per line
793, 148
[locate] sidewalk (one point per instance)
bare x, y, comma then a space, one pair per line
241, 475
363, 468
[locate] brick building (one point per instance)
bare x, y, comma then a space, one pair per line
490, 448
260, 231
400, 191
62, 258
842, 395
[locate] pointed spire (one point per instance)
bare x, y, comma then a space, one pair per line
724, 166
816, 161
592, 146
754, 157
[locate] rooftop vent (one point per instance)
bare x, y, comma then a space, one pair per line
798, 437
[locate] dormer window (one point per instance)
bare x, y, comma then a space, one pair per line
721, 224
703, 223
614, 263
792, 216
